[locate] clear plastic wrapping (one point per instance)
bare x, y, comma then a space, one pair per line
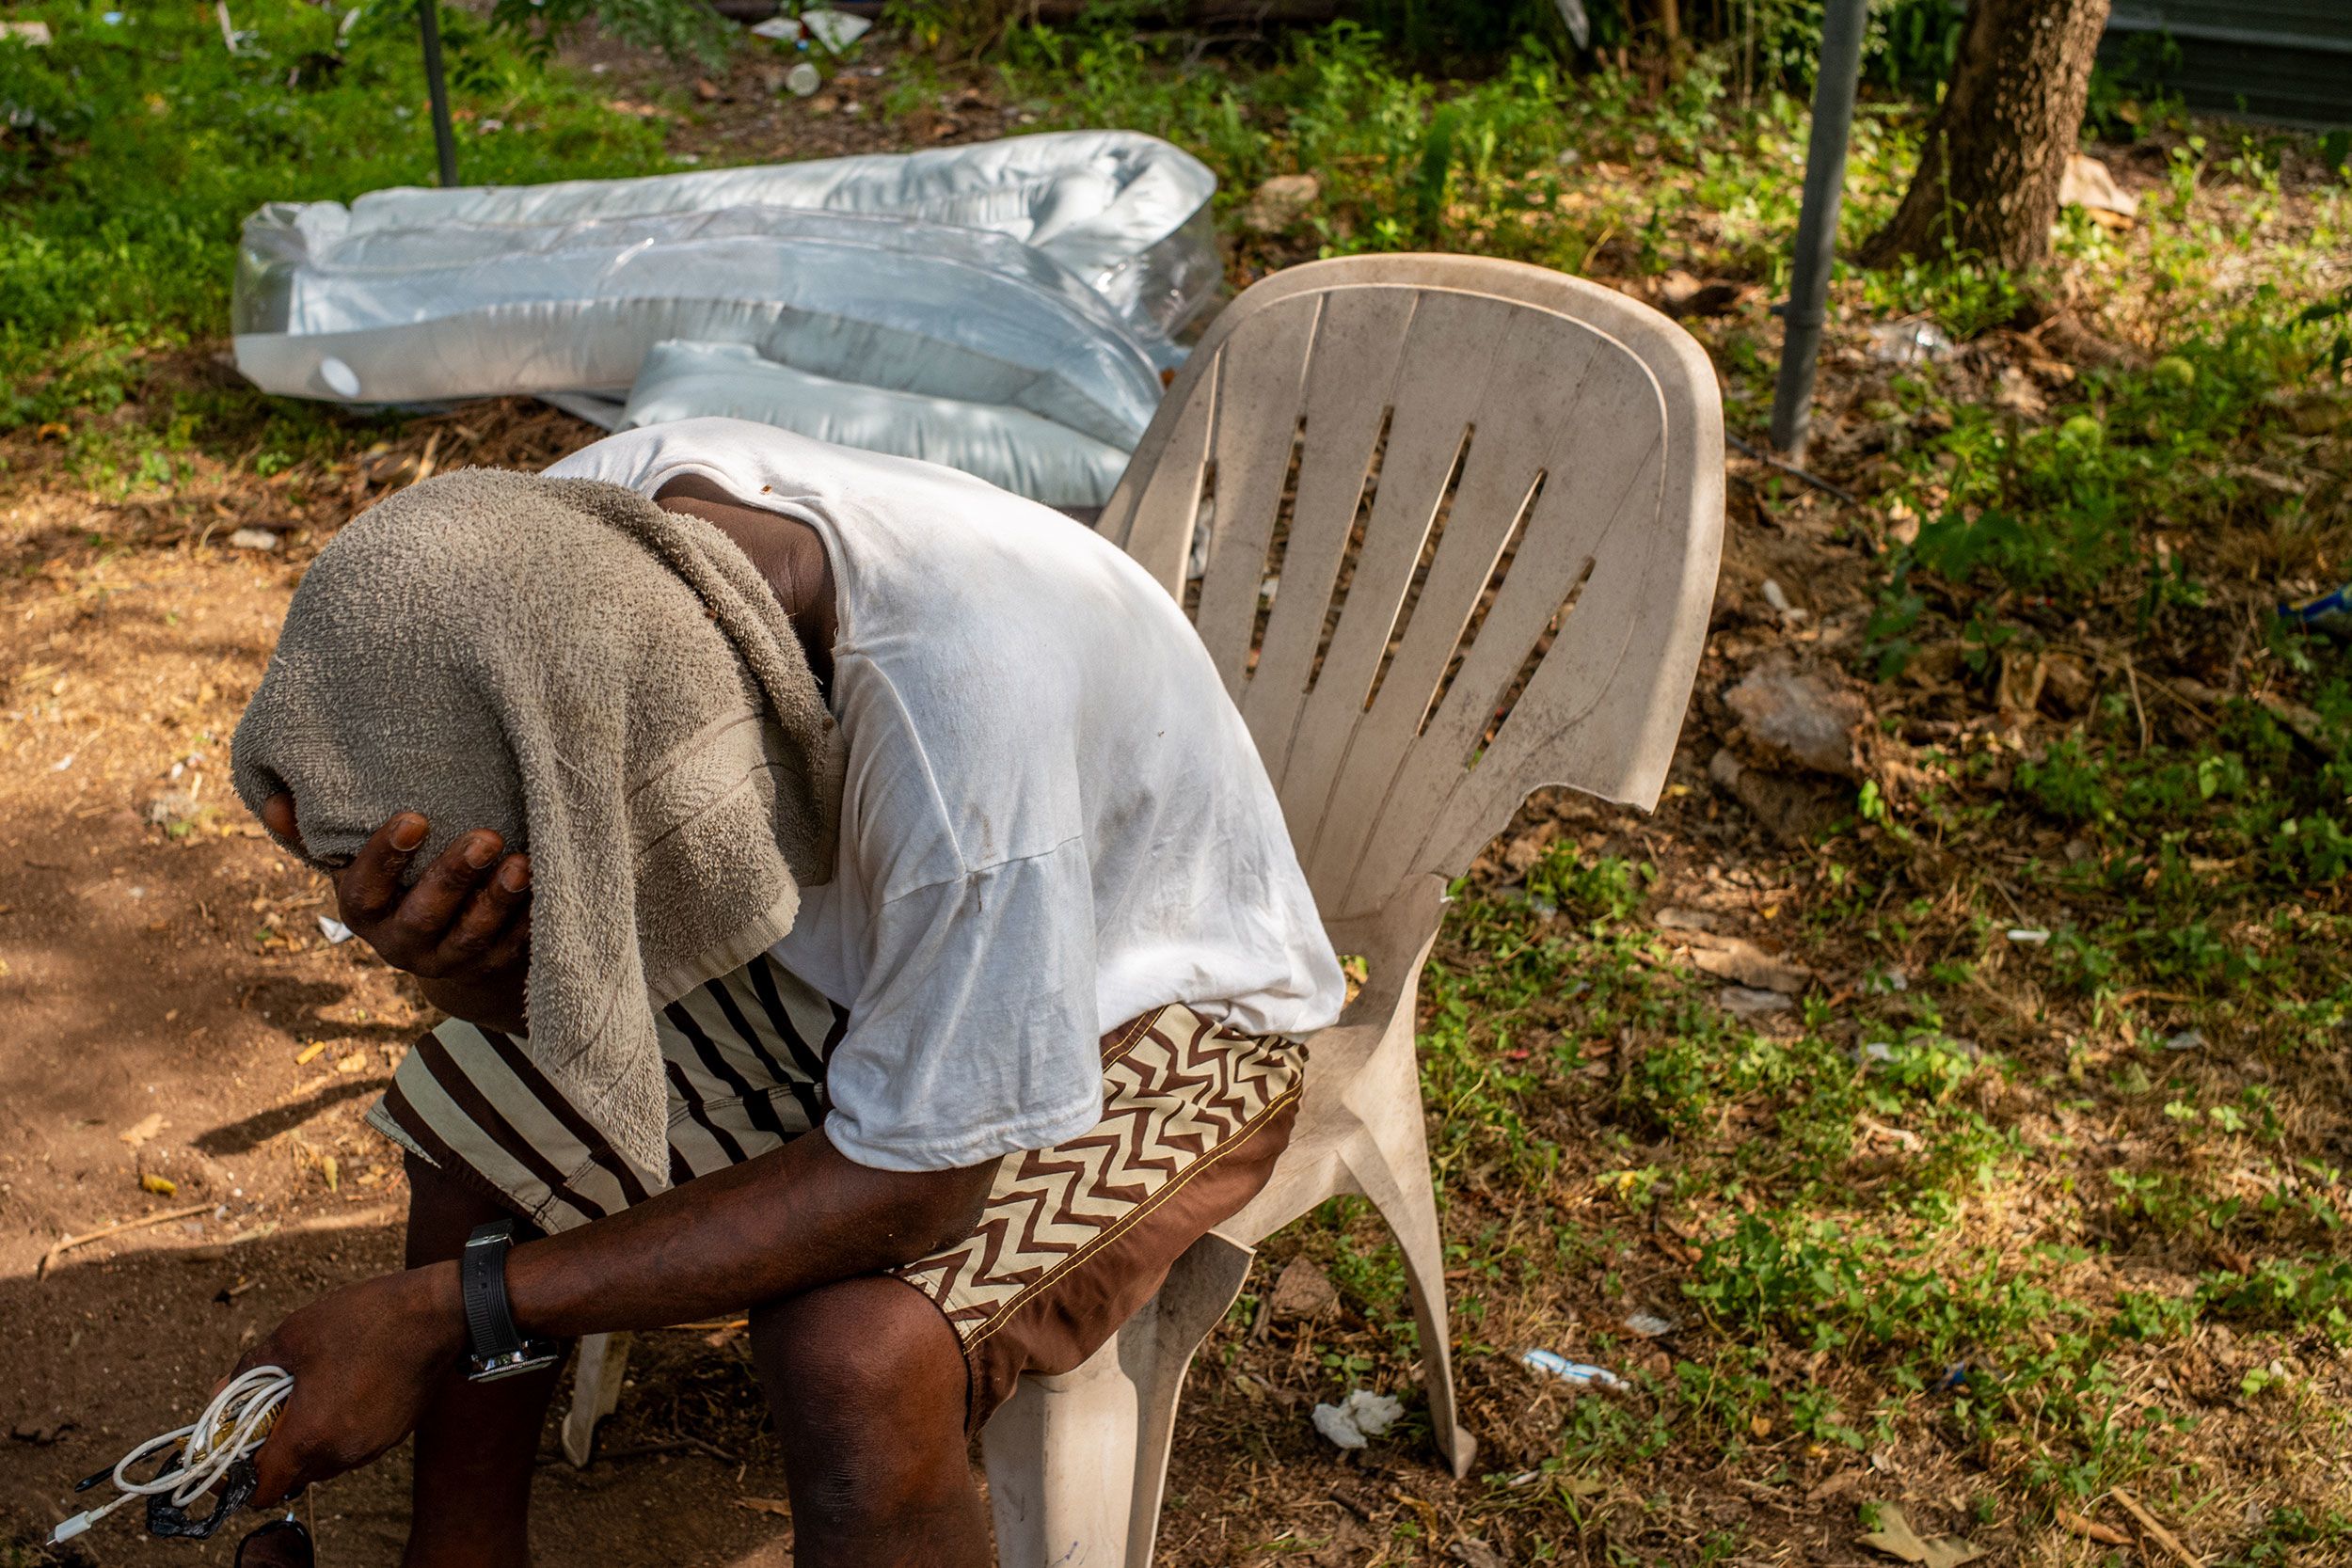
889, 302
1097, 201
1047, 276
1126, 212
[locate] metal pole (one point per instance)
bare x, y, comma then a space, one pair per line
444, 139
1834, 84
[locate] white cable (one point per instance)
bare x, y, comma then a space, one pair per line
233, 1425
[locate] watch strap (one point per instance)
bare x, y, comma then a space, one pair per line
489, 1320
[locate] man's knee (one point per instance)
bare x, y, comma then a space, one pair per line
867, 1385
841, 1353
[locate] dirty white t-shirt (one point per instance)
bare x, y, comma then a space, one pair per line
1055, 819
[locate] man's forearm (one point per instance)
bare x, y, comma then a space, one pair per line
801, 1216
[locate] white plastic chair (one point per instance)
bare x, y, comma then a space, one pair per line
1458, 522
1521, 602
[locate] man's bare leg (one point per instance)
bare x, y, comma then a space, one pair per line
867, 1384
476, 1442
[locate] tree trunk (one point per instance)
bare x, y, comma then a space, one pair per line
1996, 149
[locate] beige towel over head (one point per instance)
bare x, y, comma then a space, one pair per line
612, 687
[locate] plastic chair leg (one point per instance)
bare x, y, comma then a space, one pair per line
1158, 1347
1061, 1461
602, 1361
1391, 1165
1077, 1462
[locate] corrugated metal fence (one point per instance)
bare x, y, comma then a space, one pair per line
2287, 60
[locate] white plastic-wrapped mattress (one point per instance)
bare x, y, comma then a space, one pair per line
1125, 212
1064, 258
1025, 294
889, 302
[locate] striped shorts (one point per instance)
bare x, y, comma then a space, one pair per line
1073, 1238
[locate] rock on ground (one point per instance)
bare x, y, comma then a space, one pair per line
1799, 716
1280, 202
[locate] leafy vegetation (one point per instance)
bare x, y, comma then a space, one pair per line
134, 148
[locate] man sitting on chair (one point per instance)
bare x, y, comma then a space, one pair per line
858, 903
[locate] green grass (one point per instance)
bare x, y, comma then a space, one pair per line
139, 146
1909, 1317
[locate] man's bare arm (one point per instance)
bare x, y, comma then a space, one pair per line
802, 1216
365, 1357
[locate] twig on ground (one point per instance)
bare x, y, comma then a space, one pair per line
2157, 1532
2189, 694
635, 1450
648, 1450
2008, 896
212, 1252
66, 1245
1793, 471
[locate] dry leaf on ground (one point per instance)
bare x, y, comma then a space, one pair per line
1738, 959
1897, 1539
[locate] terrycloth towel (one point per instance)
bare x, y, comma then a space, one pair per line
612, 687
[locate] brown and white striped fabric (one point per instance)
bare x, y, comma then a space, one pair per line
1073, 1241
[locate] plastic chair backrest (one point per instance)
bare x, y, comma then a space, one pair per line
1454, 524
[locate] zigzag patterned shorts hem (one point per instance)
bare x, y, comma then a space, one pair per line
1073, 1241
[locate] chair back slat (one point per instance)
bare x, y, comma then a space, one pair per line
1351, 385
1424, 449
1259, 375
1503, 450
1169, 492
1567, 594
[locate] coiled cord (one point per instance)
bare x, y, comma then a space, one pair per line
236, 1422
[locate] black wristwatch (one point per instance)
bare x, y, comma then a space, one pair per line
495, 1348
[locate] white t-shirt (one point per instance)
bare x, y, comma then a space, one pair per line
1055, 819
